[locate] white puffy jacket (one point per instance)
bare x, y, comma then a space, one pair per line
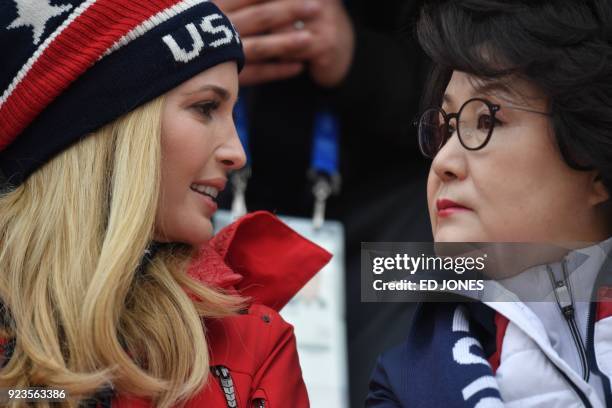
544, 361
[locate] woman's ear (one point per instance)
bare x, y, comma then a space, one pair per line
599, 192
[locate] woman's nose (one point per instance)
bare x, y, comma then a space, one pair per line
450, 162
231, 154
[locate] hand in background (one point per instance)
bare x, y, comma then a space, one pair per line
268, 48
276, 50
330, 53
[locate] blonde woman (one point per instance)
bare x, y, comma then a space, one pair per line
116, 135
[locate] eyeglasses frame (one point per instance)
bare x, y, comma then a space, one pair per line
493, 108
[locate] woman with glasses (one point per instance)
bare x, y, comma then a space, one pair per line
518, 125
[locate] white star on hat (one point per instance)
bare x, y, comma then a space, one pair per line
36, 13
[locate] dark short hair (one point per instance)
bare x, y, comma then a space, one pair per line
564, 47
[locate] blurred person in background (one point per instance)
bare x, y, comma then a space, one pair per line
359, 60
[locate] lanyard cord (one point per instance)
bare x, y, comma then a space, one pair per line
323, 171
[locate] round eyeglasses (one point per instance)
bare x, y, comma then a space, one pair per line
474, 124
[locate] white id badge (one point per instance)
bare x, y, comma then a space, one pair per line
317, 314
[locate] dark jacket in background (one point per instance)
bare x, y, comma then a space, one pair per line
383, 195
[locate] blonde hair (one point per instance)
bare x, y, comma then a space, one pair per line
71, 241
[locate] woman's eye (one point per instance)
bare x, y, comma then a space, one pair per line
206, 109
486, 122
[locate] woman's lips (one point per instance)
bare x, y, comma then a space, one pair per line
209, 202
448, 207
209, 189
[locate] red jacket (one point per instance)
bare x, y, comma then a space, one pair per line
253, 355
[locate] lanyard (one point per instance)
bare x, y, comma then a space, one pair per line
324, 163
323, 171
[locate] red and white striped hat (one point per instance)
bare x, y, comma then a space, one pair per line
70, 66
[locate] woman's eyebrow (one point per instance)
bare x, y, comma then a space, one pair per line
493, 87
485, 88
221, 92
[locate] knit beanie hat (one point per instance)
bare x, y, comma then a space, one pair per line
68, 67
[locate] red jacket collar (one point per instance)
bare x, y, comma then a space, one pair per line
261, 257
